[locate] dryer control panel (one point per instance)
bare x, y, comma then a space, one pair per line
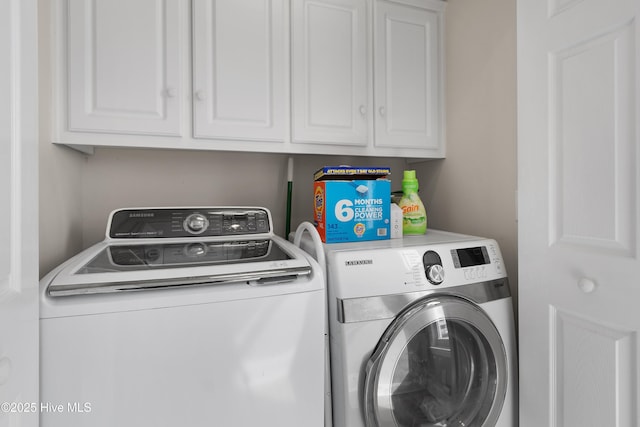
474, 261
187, 222
436, 261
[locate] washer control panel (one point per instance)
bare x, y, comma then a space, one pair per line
187, 222
196, 223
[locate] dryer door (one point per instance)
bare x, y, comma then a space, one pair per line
440, 363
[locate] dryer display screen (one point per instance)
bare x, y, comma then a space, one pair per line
469, 257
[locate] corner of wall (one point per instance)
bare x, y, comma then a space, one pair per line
60, 169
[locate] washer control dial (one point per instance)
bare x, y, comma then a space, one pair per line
435, 274
196, 223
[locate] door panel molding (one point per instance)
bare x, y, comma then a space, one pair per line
607, 354
556, 7
591, 83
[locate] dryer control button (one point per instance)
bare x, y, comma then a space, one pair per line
435, 274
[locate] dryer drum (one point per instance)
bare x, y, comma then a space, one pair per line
441, 363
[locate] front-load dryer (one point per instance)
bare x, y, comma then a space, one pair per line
421, 332
184, 317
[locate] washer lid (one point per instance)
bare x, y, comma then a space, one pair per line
135, 257
152, 248
440, 363
144, 264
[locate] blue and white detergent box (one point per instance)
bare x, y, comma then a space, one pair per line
351, 210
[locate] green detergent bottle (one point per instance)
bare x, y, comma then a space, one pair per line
414, 215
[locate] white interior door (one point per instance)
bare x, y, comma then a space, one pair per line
19, 404
578, 183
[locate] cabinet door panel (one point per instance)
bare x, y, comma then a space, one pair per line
408, 83
330, 72
239, 69
123, 66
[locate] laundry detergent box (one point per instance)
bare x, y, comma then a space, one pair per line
352, 204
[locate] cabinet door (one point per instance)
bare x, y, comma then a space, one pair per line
329, 63
239, 68
123, 66
408, 87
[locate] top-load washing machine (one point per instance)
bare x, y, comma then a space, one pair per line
184, 317
421, 332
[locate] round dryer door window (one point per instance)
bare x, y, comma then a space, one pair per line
440, 363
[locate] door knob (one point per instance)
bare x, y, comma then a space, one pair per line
587, 285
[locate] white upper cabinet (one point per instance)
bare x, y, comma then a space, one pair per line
123, 68
342, 77
329, 78
408, 77
340, 63
239, 69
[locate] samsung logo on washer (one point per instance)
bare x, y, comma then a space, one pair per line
141, 215
358, 262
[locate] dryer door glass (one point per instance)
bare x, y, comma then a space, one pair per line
441, 363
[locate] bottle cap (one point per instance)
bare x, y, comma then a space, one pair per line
409, 181
410, 174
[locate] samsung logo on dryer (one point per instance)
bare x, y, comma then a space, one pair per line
358, 262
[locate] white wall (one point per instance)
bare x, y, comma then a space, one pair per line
116, 178
60, 170
473, 190
78, 192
